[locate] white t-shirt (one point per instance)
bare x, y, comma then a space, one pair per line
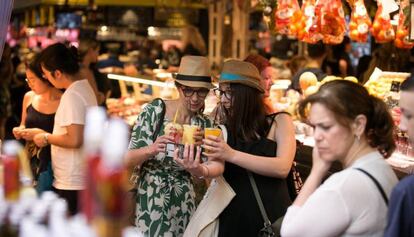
67, 163
347, 204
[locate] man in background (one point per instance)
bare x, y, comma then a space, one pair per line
401, 207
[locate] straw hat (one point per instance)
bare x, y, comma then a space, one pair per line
194, 71
236, 71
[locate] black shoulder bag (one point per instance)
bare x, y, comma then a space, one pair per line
269, 229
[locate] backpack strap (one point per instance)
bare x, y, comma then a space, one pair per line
384, 196
160, 121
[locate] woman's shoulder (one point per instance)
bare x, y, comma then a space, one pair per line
347, 180
278, 114
29, 95
155, 106
158, 102
279, 118
28, 98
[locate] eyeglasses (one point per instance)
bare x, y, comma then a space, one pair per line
202, 93
219, 93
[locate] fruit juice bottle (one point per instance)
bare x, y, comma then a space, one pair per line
11, 164
111, 188
93, 135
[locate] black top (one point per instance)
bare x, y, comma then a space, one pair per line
36, 119
242, 216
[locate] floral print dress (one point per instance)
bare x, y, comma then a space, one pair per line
166, 198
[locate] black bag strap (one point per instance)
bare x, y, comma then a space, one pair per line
267, 222
160, 121
384, 196
272, 117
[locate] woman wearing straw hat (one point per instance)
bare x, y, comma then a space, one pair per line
165, 199
256, 143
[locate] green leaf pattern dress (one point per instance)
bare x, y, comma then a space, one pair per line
166, 198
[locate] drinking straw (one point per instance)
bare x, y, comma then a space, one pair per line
175, 116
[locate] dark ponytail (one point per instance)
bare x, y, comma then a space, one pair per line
59, 57
380, 128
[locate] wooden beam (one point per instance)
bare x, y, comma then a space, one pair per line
216, 22
240, 25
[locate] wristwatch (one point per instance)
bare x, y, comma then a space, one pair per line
45, 138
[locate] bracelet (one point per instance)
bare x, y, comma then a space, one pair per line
204, 176
45, 138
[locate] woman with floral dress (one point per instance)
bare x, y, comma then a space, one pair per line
165, 196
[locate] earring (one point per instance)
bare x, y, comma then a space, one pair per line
358, 137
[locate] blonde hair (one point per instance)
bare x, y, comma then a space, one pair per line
191, 35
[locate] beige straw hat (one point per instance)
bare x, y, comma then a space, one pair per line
194, 71
236, 71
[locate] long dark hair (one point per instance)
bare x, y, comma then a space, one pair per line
247, 118
59, 57
346, 100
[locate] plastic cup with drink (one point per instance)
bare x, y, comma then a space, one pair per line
188, 134
211, 132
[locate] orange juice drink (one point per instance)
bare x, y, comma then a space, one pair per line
188, 134
212, 132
